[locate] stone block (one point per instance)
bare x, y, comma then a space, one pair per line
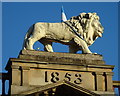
62, 57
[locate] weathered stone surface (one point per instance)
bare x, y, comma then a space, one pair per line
64, 55
36, 68
61, 57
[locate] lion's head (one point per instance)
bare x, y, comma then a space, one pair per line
92, 28
89, 25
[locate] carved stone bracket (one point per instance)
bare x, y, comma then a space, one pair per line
98, 81
16, 72
108, 81
24, 75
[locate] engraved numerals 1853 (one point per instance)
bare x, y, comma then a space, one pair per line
54, 77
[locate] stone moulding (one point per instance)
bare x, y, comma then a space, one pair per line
37, 68
41, 89
62, 57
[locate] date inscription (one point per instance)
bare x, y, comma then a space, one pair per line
55, 77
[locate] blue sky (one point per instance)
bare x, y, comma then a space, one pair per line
18, 17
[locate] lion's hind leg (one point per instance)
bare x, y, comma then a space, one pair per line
30, 42
37, 34
34, 38
47, 45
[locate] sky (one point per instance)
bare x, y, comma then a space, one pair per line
18, 17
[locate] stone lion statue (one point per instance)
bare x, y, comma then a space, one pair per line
86, 25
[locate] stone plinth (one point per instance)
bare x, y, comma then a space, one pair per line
54, 57
37, 68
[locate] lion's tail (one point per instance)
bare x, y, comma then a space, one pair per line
27, 36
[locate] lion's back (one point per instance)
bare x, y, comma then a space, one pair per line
59, 31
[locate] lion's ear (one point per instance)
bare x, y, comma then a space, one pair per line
90, 15
97, 17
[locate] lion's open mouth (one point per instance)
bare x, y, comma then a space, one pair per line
99, 33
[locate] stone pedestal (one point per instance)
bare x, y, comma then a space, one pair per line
37, 69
